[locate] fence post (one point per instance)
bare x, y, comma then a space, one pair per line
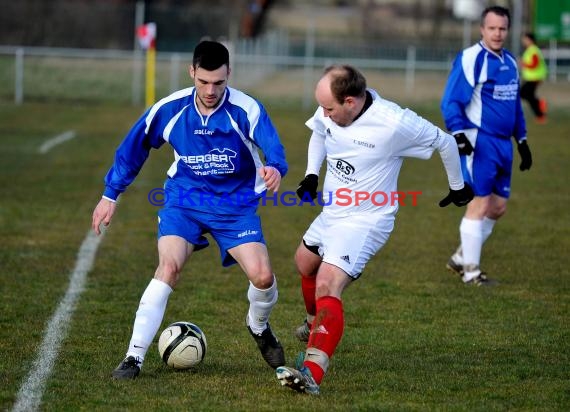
410, 69
19, 83
136, 87
552, 59
174, 72
309, 62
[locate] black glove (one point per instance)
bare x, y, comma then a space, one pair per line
463, 144
526, 157
308, 187
459, 197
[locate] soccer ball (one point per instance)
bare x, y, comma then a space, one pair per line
182, 345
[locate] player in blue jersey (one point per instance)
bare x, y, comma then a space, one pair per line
482, 108
213, 187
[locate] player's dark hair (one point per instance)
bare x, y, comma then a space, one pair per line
346, 81
531, 36
210, 55
499, 11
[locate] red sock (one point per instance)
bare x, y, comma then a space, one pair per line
309, 286
326, 332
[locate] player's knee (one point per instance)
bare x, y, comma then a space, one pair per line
168, 272
328, 285
261, 277
307, 262
497, 211
300, 254
306, 269
266, 280
323, 289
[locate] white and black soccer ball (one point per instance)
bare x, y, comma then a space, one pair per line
182, 345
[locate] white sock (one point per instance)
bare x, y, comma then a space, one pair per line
487, 228
261, 302
149, 317
472, 242
458, 255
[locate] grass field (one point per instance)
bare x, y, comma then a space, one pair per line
415, 339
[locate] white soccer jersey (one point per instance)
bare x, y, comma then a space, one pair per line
364, 158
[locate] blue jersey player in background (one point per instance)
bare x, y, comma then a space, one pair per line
212, 187
482, 108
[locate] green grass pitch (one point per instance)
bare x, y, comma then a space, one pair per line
415, 339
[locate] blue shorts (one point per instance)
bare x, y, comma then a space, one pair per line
488, 169
227, 230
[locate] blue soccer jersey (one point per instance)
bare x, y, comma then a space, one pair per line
482, 92
482, 100
216, 156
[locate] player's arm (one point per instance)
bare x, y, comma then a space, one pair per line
316, 154
520, 131
417, 137
523, 148
533, 63
276, 165
102, 214
271, 177
520, 134
129, 159
131, 155
457, 95
460, 193
264, 134
433, 138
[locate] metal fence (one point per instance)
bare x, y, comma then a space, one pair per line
96, 76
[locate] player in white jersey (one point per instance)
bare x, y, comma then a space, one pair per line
213, 187
364, 139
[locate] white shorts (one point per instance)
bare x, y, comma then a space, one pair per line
349, 242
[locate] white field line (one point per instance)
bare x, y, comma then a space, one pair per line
30, 394
54, 141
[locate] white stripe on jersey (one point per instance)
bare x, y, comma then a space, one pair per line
474, 110
174, 96
171, 123
251, 107
259, 182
